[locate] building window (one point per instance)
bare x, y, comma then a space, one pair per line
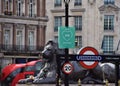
7, 39
78, 22
57, 22
31, 36
19, 7
20, 60
77, 2
58, 3
31, 8
56, 39
78, 41
19, 39
109, 22
109, 1
107, 44
8, 7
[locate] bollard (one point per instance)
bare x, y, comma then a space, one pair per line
106, 82
59, 82
79, 82
118, 82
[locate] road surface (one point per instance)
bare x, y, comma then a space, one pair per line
62, 85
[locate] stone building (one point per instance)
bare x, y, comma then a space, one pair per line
97, 22
22, 30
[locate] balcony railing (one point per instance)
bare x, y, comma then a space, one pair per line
7, 12
20, 48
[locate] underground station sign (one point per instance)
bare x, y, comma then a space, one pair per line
88, 51
91, 58
88, 57
86, 61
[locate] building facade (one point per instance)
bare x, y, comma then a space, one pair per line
22, 30
97, 22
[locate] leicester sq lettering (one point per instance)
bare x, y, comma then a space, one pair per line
88, 58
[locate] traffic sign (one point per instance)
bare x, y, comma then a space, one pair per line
88, 51
66, 37
67, 68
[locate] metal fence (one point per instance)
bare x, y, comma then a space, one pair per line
19, 48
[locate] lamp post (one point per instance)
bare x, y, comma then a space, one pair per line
66, 24
66, 12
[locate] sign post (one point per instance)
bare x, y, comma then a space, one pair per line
66, 40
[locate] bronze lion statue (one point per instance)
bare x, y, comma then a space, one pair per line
48, 73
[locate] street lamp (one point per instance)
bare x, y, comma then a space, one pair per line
66, 1
66, 24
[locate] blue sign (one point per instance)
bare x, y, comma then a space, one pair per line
84, 57
88, 58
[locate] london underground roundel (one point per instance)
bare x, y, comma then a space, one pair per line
88, 51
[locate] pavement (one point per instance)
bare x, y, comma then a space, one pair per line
110, 84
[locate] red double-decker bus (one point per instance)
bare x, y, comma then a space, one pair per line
11, 74
33, 68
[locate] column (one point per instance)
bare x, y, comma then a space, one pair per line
14, 35
14, 7
41, 8
26, 7
38, 8
0, 34
1, 42
26, 36
2, 6
40, 36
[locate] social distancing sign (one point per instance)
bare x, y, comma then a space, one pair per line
66, 37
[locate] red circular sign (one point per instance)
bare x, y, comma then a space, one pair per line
67, 68
88, 51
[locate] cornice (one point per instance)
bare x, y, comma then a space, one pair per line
78, 10
109, 8
23, 20
45, 18
57, 10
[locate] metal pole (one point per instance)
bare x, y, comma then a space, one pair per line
58, 70
66, 50
117, 73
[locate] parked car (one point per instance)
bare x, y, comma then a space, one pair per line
11, 74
